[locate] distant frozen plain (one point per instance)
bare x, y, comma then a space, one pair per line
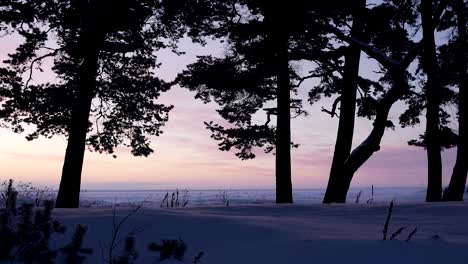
153, 198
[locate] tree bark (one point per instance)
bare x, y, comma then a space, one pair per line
283, 130
433, 94
344, 138
70, 184
457, 183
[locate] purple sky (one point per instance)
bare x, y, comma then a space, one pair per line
186, 157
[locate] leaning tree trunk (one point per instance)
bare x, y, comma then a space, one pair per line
397, 70
344, 138
433, 94
69, 190
283, 130
371, 144
457, 183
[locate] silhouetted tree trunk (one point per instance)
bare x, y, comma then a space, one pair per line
433, 94
456, 187
371, 144
283, 130
397, 70
344, 138
69, 190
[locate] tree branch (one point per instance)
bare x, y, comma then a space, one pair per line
372, 143
31, 67
373, 52
333, 113
379, 56
302, 79
319, 55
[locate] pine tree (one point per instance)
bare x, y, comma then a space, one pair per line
459, 63
7, 220
347, 100
103, 58
433, 102
263, 38
371, 28
390, 20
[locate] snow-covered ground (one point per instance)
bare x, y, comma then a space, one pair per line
268, 233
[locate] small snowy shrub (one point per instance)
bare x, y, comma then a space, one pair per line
169, 248
7, 219
198, 257
129, 253
34, 194
74, 253
8, 196
7, 234
175, 200
26, 231
115, 240
399, 230
26, 192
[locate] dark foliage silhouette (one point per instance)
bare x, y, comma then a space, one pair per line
116, 237
263, 38
459, 63
394, 58
347, 100
102, 57
104, 60
26, 231
433, 95
74, 252
129, 253
170, 248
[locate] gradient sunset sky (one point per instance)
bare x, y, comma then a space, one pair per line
186, 157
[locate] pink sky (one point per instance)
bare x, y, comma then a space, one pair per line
186, 157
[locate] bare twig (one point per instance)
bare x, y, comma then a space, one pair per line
332, 112
302, 79
387, 222
358, 197
116, 228
396, 233
198, 257
411, 234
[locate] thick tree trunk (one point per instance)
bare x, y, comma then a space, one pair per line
371, 144
283, 130
457, 184
397, 70
69, 190
344, 138
433, 94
